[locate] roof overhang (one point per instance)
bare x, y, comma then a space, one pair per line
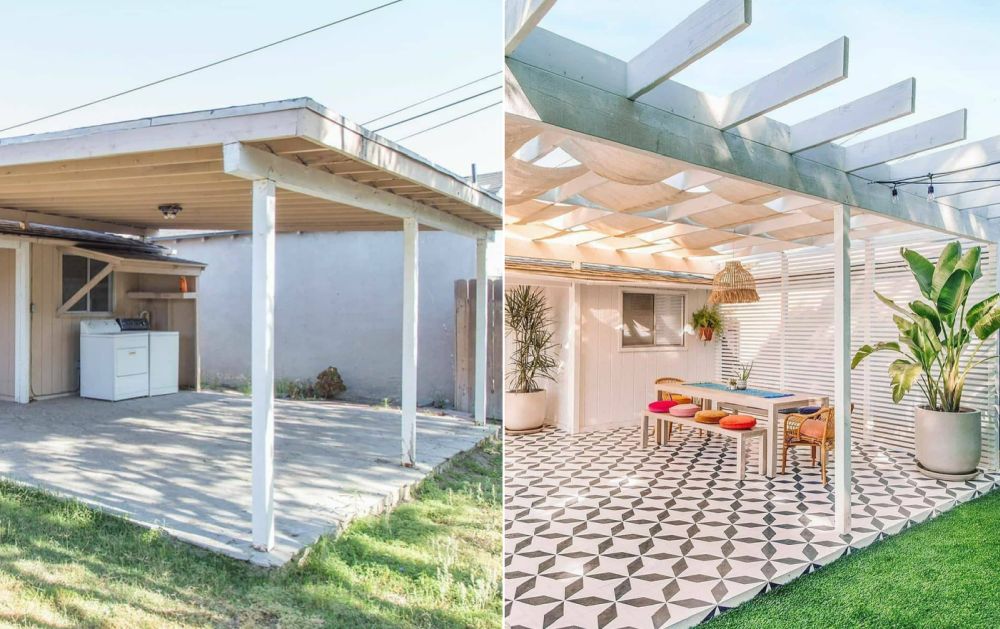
114, 177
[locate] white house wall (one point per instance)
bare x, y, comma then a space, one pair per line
617, 385
338, 303
6, 324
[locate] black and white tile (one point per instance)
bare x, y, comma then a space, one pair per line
601, 533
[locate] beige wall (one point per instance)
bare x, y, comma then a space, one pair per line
55, 339
6, 324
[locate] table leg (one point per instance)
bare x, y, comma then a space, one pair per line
772, 437
645, 431
762, 463
740, 462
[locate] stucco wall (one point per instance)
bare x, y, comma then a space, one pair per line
339, 303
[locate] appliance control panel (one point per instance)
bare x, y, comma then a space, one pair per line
133, 325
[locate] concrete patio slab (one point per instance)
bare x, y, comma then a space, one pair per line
182, 462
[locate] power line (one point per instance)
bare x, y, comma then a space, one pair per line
421, 102
203, 67
427, 113
466, 115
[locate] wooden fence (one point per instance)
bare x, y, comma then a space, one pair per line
465, 346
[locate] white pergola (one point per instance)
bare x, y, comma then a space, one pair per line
281, 166
612, 162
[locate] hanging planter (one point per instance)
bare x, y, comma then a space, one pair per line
707, 320
733, 285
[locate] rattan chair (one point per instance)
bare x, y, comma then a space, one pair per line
814, 431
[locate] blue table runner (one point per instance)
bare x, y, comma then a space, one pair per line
762, 393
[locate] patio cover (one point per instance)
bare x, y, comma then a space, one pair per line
614, 162
280, 166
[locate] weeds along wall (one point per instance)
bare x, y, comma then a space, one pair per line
789, 335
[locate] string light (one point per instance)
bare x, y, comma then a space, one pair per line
928, 179
895, 195
930, 188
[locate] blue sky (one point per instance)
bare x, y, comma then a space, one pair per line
952, 48
57, 53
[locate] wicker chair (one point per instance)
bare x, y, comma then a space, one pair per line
662, 395
815, 431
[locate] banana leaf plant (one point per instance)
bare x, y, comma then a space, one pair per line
935, 332
532, 353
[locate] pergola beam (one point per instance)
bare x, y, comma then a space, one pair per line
707, 28
520, 17
251, 163
537, 95
974, 199
802, 77
916, 138
858, 115
966, 155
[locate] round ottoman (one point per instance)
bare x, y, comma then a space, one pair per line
680, 399
661, 406
709, 416
685, 410
738, 422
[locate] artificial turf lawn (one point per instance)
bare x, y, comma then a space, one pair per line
942, 573
432, 562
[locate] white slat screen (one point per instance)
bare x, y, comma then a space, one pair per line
789, 336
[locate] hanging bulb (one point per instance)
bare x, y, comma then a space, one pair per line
930, 189
895, 195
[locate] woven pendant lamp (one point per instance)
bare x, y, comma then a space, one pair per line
733, 285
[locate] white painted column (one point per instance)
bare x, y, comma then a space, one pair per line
842, 366
410, 298
573, 371
482, 307
22, 322
262, 360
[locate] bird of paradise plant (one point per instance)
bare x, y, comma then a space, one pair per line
935, 334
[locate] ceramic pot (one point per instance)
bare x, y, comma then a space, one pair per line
741, 385
524, 412
948, 444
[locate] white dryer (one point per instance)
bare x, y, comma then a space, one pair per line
164, 356
114, 363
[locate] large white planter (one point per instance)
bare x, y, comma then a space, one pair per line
949, 445
524, 412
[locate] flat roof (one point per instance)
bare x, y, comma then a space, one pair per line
118, 174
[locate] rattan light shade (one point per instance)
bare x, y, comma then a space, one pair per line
733, 285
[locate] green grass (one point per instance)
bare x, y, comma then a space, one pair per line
432, 562
943, 573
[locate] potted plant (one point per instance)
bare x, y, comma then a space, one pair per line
707, 320
934, 336
743, 375
528, 320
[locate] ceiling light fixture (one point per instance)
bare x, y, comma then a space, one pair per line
170, 210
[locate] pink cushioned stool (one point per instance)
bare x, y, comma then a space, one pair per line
685, 410
661, 406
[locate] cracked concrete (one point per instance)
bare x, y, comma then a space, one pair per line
182, 462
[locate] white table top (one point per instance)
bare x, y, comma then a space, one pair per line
740, 399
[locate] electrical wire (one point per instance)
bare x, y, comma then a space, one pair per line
928, 176
203, 67
442, 107
430, 98
437, 126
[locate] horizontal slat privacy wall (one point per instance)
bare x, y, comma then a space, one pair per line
789, 336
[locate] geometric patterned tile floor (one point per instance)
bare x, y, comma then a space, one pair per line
601, 533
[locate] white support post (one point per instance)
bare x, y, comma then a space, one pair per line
482, 307
22, 322
842, 367
573, 373
262, 359
410, 311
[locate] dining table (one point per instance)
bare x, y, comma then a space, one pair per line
761, 403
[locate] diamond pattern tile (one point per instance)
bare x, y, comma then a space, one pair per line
601, 533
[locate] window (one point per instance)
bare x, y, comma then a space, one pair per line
76, 272
652, 320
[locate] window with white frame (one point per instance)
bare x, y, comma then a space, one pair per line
652, 319
77, 271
